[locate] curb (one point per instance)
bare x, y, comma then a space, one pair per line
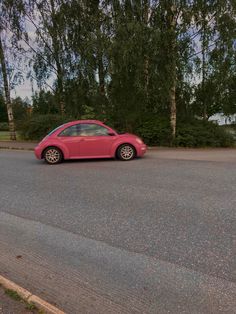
32, 149
16, 148
29, 297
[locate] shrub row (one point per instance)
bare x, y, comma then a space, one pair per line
4, 126
196, 133
154, 131
190, 133
38, 126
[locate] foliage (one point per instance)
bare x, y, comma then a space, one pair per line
198, 133
20, 108
140, 65
155, 131
38, 126
4, 126
44, 103
231, 129
13, 294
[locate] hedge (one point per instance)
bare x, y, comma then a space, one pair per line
191, 133
155, 131
38, 126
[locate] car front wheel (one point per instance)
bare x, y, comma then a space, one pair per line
126, 152
53, 155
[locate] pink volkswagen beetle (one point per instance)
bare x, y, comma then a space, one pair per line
88, 139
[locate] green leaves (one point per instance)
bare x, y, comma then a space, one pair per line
128, 59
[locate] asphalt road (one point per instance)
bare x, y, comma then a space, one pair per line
154, 235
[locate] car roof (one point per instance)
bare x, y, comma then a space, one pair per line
82, 121
87, 121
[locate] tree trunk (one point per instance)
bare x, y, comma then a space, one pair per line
146, 12
101, 75
204, 48
173, 110
7, 94
56, 54
173, 75
99, 48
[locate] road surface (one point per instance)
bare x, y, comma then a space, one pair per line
154, 235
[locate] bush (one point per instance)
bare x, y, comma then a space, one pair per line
38, 126
4, 126
155, 131
231, 129
191, 133
197, 133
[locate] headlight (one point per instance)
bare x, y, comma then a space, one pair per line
139, 140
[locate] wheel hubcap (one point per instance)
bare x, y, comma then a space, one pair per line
52, 155
127, 152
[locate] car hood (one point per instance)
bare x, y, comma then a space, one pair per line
128, 134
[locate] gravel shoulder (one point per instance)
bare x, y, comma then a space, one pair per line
9, 304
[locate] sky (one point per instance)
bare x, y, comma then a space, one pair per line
24, 90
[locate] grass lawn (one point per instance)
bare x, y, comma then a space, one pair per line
5, 136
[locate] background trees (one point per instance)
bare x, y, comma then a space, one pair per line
132, 63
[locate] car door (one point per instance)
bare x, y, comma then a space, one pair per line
95, 141
71, 138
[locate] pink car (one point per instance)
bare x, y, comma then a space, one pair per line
88, 139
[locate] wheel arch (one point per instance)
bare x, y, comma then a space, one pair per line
125, 143
52, 146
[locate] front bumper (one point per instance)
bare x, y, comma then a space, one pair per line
142, 150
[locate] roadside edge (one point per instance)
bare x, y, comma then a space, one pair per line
16, 148
27, 296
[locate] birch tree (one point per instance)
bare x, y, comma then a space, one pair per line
7, 90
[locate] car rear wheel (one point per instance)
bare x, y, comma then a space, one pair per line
53, 155
126, 152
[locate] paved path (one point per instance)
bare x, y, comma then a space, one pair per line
154, 235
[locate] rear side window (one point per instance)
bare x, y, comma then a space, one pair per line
54, 130
91, 129
73, 130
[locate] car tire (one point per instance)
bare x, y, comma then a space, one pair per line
52, 155
126, 152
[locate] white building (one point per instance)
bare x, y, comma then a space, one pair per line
222, 119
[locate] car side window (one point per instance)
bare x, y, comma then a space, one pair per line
91, 129
73, 130
85, 129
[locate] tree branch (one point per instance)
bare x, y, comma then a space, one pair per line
36, 52
34, 78
198, 52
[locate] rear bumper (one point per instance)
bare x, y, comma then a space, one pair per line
38, 152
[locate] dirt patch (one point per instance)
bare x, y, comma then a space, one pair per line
10, 305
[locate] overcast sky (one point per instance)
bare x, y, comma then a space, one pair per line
23, 90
